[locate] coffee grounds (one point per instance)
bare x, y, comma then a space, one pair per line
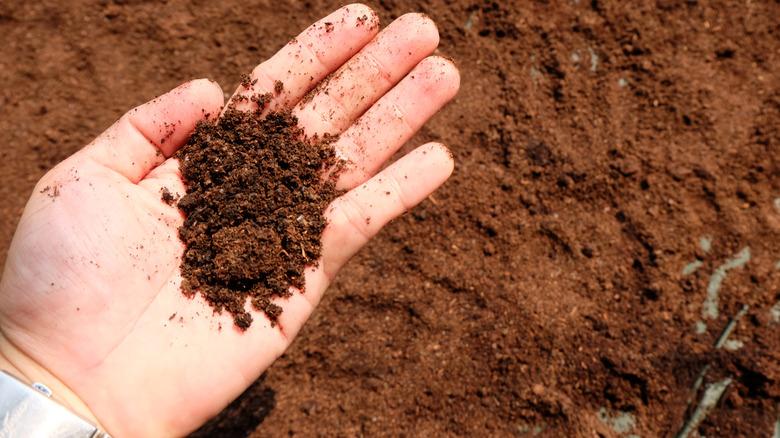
254, 209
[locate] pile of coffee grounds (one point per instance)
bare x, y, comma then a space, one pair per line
254, 209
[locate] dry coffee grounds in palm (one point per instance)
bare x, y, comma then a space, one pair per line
254, 209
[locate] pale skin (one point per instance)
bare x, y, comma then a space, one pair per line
92, 275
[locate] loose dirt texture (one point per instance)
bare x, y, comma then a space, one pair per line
254, 209
542, 288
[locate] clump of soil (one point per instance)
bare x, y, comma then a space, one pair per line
166, 196
254, 209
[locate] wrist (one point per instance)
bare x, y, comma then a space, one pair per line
21, 366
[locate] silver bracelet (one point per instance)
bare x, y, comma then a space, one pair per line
29, 411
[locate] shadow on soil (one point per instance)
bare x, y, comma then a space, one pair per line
243, 415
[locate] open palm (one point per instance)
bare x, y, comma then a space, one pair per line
90, 301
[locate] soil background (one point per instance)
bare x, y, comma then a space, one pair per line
540, 292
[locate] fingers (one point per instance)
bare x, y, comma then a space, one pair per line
143, 138
359, 214
392, 121
369, 75
312, 55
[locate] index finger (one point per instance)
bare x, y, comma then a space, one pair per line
308, 58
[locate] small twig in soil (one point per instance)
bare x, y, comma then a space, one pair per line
731, 326
710, 306
697, 384
711, 396
777, 424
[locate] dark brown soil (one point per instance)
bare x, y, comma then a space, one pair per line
254, 209
167, 197
542, 289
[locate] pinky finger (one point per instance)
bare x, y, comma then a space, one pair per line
359, 214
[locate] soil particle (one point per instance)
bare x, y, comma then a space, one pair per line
51, 191
247, 82
261, 100
254, 210
166, 196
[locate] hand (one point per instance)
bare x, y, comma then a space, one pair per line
90, 302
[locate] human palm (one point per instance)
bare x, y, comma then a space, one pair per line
90, 301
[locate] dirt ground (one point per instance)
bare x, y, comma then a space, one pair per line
617, 164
